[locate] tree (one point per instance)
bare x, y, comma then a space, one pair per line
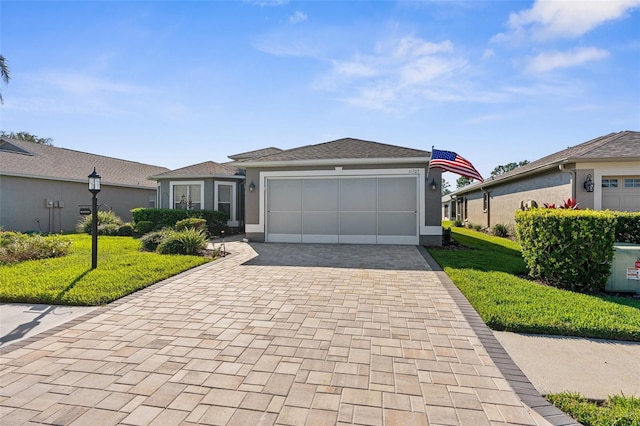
446, 187
463, 181
27, 137
508, 167
4, 74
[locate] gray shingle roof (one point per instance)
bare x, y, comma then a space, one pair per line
254, 154
347, 148
614, 146
207, 168
66, 164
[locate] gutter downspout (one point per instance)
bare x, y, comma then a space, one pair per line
572, 173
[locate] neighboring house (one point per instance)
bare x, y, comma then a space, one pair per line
603, 173
208, 186
43, 187
344, 191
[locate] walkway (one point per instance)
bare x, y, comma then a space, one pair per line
273, 334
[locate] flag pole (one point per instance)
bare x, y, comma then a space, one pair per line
429, 168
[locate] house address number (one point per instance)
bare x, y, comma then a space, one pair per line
414, 171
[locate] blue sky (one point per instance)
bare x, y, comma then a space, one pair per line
177, 83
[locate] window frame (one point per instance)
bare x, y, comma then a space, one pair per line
175, 183
233, 219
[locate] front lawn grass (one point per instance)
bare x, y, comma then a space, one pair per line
617, 410
490, 272
69, 280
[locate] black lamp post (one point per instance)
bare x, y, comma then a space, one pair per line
94, 188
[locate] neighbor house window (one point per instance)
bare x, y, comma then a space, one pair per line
609, 183
225, 200
632, 183
152, 201
485, 201
187, 195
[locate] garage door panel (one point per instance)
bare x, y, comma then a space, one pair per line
285, 222
322, 223
285, 194
397, 223
358, 223
358, 194
320, 195
397, 194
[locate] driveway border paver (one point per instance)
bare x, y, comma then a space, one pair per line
511, 372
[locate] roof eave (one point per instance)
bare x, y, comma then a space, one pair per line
333, 162
159, 177
62, 179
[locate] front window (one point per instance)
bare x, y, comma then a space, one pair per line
224, 199
187, 197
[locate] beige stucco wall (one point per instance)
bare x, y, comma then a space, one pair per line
23, 207
432, 198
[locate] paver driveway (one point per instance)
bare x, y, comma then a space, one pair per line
273, 334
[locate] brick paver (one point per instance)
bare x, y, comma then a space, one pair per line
273, 334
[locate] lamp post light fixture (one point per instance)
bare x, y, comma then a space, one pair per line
252, 187
588, 184
433, 185
94, 188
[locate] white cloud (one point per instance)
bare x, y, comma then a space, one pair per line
562, 18
298, 17
268, 3
549, 61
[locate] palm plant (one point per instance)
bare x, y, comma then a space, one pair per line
4, 73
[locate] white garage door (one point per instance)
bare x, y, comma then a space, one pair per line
361, 210
621, 193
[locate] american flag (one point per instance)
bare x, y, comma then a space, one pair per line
452, 162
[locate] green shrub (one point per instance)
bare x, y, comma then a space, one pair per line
475, 227
500, 230
151, 240
144, 226
108, 229
458, 223
627, 227
125, 230
16, 247
169, 217
569, 249
188, 241
104, 218
191, 222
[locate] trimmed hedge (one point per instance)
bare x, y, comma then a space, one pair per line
627, 227
162, 218
569, 249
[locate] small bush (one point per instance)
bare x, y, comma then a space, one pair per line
104, 218
500, 230
108, 229
16, 247
188, 241
627, 227
458, 223
144, 226
125, 230
192, 222
151, 240
169, 217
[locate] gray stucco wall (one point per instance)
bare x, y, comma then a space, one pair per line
164, 192
550, 187
23, 207
432, 198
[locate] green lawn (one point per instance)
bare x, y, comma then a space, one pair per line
492, 276
618, 410
69, 280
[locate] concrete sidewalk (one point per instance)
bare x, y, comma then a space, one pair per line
595, 368
272, 334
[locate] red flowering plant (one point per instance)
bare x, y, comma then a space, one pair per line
570, 204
